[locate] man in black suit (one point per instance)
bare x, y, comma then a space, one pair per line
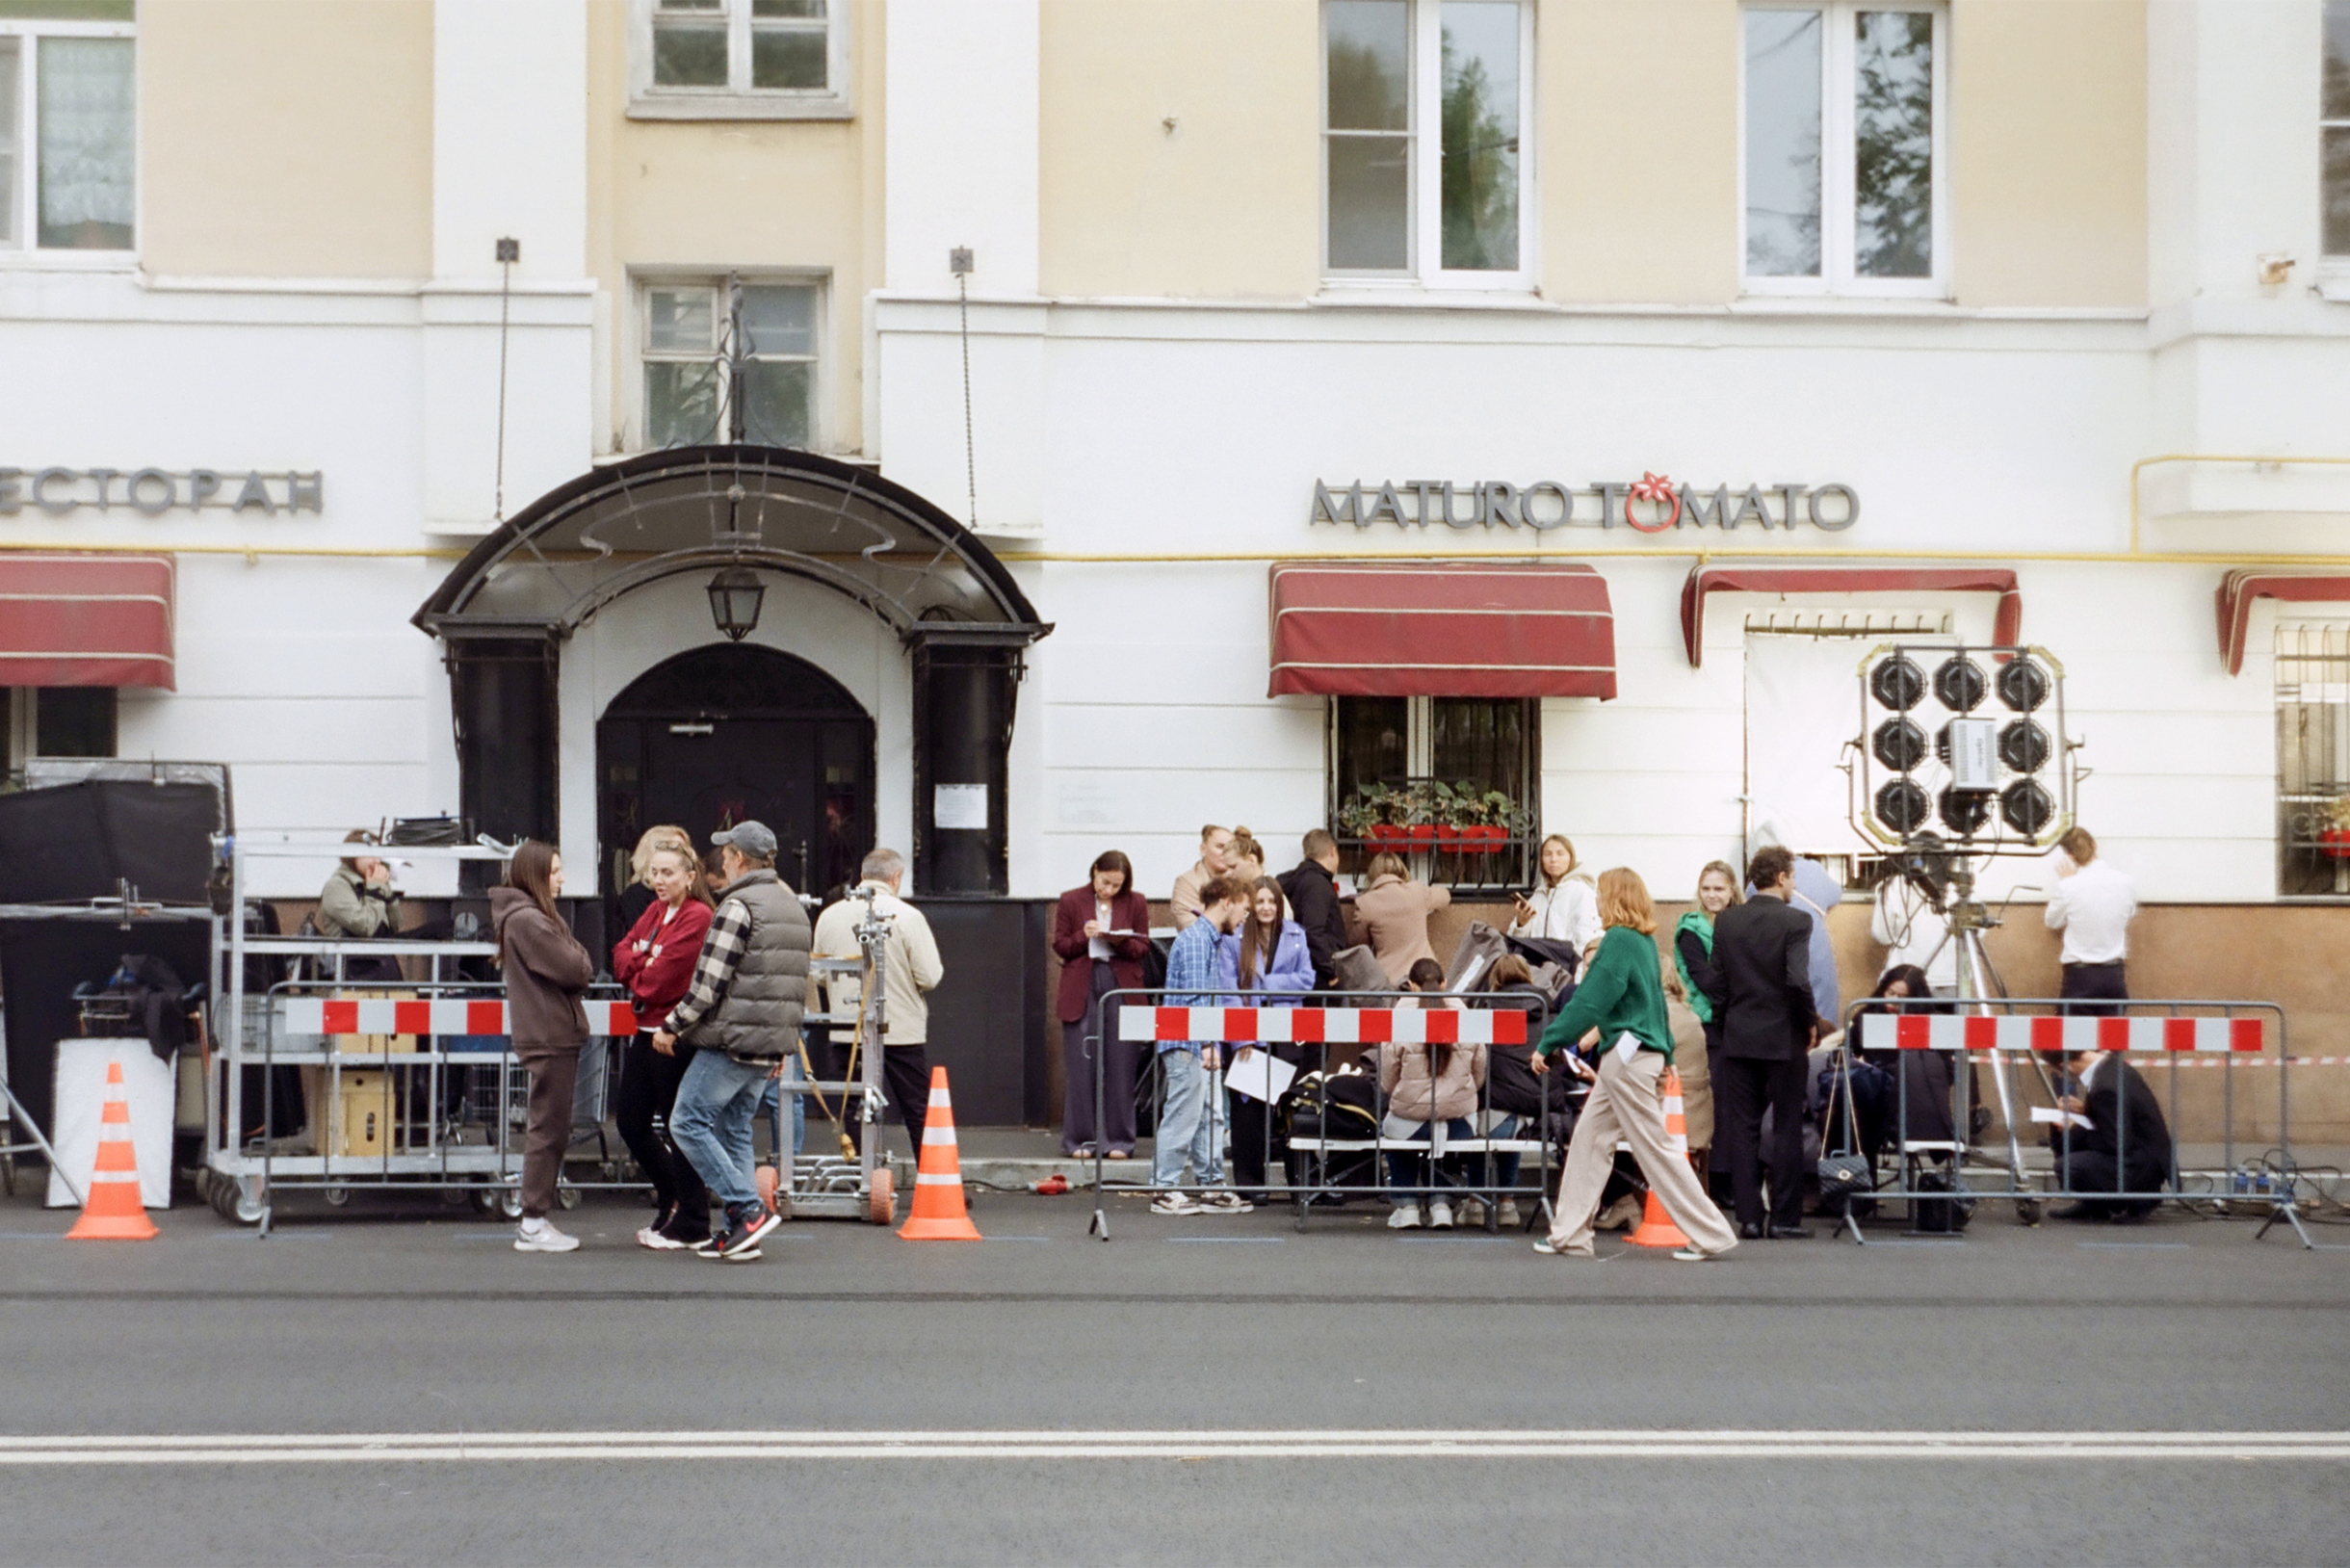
2126, 1148
1762, 991
1311, 890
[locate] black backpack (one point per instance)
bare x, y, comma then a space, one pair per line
1337, 1104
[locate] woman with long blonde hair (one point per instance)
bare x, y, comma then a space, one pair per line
1621, 997
1563, 907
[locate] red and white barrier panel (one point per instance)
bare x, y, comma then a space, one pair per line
1911, 1031
387, 1015
1333, 1026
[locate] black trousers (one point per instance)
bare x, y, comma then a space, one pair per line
2090, 1170
905, 1078
2088, 984
648, 1091
1254, 1139
1744, 1091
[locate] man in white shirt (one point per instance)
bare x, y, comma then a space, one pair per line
912, 969
2092, 906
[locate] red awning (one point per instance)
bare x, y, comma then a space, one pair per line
1444, 629
2238, 589
2006, 625
85, 620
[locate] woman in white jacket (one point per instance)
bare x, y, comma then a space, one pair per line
1564, 907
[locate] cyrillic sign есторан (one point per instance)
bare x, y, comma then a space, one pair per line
1650, 505
154, 491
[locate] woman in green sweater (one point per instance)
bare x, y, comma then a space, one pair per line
1621, 996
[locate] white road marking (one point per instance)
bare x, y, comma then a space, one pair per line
305, 1448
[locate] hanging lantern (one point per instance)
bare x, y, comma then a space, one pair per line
735, 597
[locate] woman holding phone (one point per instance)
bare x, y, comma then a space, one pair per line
1621, 996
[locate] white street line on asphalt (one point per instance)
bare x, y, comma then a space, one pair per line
539, 1446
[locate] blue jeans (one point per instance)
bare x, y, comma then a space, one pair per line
711, 1124
1404, 1167
769, 1107
1190, 1130
1500, 1169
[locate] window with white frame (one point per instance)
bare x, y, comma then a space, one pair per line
2333, 130
1427, 113
731, 361
1844, 178
67, 125
740, 58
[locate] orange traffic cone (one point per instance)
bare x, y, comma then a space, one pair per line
114, 1212
938, 1212
1656, 1227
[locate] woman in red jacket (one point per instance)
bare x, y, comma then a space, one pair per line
655, 962
1101, 932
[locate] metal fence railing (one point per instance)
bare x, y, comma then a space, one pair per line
2115, 1145
1325, 1138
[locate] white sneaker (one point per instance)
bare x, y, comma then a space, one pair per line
1510, 1218
1224, 1201
658, 1241
1473, 1211
545, 1238
1404, 1218
1440, 1216
1173, 1203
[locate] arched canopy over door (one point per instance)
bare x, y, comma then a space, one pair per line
504, 612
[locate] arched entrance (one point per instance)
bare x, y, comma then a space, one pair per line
731, 732
603, 547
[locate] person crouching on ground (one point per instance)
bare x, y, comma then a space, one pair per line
743, 1008
1621, 996
2126, 1148
546, 972
1187, 1124
655, 962
1432, 1091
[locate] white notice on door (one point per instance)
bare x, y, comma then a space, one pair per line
960, 805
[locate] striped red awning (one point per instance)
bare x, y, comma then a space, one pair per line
2239, 589
2007, 622
85, 620
1443, 629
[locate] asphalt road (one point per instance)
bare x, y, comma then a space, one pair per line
401, 1319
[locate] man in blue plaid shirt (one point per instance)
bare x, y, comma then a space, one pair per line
1187, 1124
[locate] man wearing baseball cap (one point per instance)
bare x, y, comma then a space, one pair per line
741, 1014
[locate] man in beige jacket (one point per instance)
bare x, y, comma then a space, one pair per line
911, 969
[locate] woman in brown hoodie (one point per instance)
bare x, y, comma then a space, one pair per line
546, 971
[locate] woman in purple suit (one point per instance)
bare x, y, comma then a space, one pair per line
1268, 955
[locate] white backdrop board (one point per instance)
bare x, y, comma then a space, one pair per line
81, 1098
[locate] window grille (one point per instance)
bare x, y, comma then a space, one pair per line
2313, 759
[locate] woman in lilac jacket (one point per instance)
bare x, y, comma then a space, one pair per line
1268, 955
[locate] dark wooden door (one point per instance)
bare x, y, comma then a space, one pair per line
729, 734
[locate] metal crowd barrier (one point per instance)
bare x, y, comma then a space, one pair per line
1305, 1170
2039, 1035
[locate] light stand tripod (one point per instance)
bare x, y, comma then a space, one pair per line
1948, 882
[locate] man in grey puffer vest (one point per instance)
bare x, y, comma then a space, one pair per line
741, 1015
